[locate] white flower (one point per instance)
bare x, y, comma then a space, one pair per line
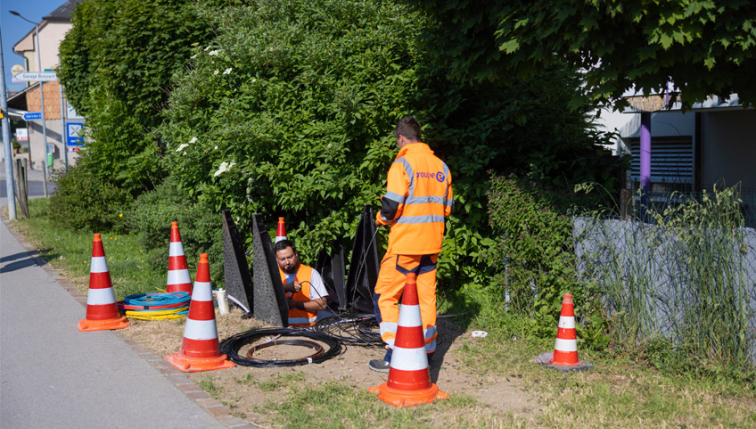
215, 147
182, 147
225, 166
254, 80
193, 140
216, 72
193, 56
227, 71
213, 53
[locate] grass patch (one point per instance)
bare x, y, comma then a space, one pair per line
617, 393
209, 387
338, 405
71, 252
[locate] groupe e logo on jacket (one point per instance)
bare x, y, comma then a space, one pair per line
438, 176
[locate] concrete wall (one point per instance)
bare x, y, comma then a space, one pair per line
50, 37
729, 148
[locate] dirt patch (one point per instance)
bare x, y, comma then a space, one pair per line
246, 390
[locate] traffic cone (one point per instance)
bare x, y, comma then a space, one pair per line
280, 230
565, 356
178, 271
409, 382
102, 310
200, 351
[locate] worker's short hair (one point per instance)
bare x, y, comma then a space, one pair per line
282, 245
409, 128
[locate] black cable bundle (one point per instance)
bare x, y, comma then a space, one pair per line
353, 329
231, 346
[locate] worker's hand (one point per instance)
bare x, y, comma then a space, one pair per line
293, 287
292, 304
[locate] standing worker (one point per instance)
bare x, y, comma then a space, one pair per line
418, 197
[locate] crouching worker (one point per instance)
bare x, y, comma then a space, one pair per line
305, 291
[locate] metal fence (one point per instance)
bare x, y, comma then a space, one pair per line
660, 200
662, 281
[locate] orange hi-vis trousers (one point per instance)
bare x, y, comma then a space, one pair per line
389, 288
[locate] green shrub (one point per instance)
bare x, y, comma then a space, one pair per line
199, 224
535, 262
116, 63
84, 201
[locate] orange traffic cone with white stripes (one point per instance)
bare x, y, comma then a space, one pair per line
178, 271
565, 356
280, 230
409, 382
102, 310
200, 350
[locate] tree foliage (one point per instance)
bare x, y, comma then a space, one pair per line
116, 64
290, 112
701, 46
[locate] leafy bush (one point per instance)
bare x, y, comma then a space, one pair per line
84, 201
199, 224
535, 261
116, 64
290, 111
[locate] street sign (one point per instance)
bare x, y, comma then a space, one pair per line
75, 134
32, 116
74, 149
37, 76
15, 70
22, 134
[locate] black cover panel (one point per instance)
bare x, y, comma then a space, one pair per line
270, 304
363, 266
236, 270
331, 268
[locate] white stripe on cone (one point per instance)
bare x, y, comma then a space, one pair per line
200, 329
179, 277
409, 316
566, 345
280, 238
99, 265
101, 296
177, 249
202, 291
409, 359
567, 322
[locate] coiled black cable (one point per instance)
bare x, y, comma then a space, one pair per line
355, 329
231, 346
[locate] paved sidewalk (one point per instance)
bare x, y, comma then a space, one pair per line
52, 375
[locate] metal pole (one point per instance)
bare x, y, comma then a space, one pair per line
42, 101
63, 140
645, 163
10, 188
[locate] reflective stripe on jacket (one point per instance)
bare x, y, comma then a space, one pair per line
418, 196
301, 317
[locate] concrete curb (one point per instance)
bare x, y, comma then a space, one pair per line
219, 411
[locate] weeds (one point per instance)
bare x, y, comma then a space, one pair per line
679, 290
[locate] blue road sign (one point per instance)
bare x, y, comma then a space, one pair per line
75, 134
30, 116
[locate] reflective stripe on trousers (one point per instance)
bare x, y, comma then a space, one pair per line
388, 291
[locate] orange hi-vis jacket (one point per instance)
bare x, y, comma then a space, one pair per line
301, 317
418, 196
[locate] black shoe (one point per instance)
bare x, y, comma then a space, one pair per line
379, 365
